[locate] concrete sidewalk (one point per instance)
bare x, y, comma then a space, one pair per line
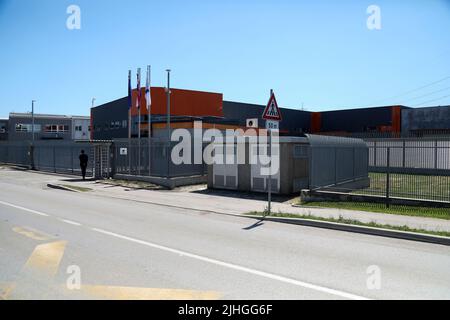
202, 200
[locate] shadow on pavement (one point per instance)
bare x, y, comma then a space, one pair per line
245, 195
78, 180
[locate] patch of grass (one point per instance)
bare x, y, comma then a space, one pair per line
353, 222
133, 184
414, 186
81, 189
439, 213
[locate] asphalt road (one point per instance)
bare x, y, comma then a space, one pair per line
120, 249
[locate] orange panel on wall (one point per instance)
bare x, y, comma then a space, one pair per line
396, 119
316, 122
182, 102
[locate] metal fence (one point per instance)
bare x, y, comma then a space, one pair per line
105, 158
337, 161
56, 156
408, 169
133, 159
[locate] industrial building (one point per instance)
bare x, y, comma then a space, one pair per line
3, 129
426, 121
110, 120
47, 127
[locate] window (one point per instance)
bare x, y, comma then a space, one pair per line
21, 128
55, 128
78, 128
28, 127
124, 124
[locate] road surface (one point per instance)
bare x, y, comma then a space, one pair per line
56, 244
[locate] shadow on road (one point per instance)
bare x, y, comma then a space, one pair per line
255, 225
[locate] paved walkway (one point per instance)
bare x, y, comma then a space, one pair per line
229, 203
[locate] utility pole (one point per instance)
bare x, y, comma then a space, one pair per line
32, 119
168, 123
32, 136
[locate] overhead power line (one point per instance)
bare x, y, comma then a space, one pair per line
427, 94
437, 99
413, 90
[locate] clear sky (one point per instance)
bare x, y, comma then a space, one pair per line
319, 53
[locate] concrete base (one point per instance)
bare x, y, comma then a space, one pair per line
170, 183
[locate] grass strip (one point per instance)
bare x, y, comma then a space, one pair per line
353, 222
429, 212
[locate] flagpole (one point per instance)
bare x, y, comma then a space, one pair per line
149, 120
139, 121
130, 104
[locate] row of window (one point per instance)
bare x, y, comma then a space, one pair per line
49, 128
111, 126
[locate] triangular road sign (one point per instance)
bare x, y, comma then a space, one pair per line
272, 112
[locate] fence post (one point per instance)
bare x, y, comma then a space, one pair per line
335, 165
374, 153
435, 154
388, 176
404, 154
71, 158
54, 159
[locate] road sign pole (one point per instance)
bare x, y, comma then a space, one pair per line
269, 185
272, 115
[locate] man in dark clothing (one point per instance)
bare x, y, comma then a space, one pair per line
83, 163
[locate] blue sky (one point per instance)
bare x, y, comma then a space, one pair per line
319, 53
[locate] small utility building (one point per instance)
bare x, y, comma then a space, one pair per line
310, 162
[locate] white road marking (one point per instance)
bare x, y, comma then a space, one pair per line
213, 261
237, 267
71, 222
24, 209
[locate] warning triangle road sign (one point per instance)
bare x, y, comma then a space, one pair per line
272, 112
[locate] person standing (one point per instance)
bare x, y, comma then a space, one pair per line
83, 163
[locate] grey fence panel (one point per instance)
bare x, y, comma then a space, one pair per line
424, 156
51, 156
135, 160
337, 160
417, 170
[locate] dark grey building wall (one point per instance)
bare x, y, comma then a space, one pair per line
4, 129
21, 136
111, 112
295, 121
356, 120
430, 118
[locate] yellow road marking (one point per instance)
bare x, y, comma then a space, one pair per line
47, 257
31, 233
134, 293
5, 290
